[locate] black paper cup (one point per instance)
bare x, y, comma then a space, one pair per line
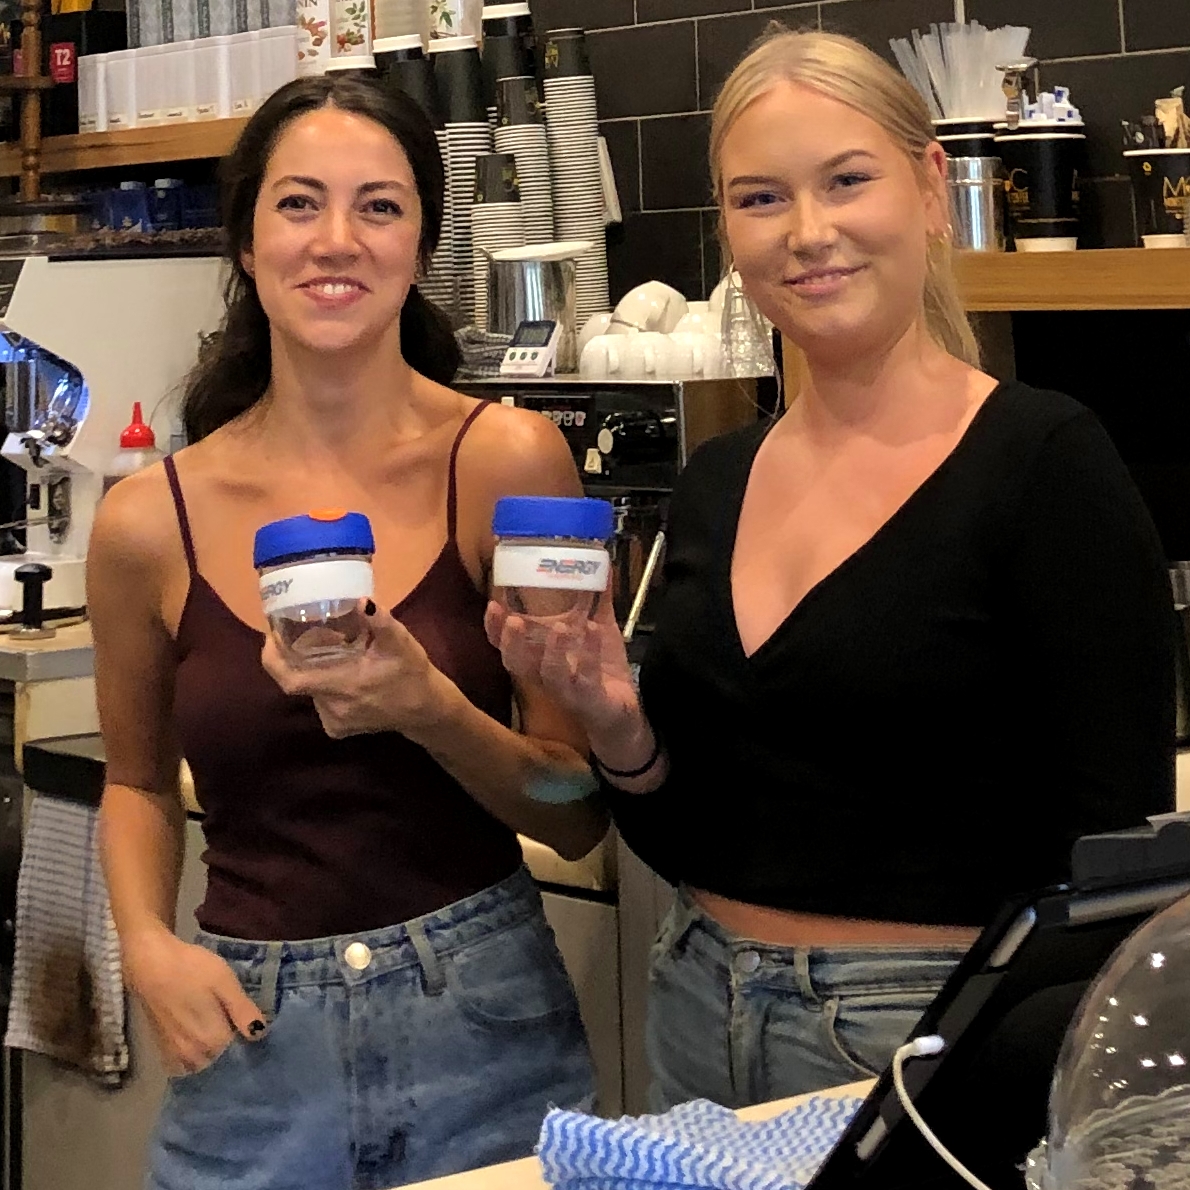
966, 138
415, 76
496, 178
503, 57
387, 50
564, 54
1161, 186
517, 101
460, 80
1042, 171
498, 20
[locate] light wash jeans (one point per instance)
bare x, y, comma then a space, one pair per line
742, 1022
441, 1054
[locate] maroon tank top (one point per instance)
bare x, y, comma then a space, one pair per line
309, 836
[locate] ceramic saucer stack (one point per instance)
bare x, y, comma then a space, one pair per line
468, 136
497, 220
520, 130
573, 132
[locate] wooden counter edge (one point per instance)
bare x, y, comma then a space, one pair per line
525, 1174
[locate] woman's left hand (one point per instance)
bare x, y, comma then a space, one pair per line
390, 686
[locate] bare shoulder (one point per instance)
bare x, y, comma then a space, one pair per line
136, 525
517, 451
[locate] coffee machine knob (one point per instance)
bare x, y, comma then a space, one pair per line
632, 436
33, 577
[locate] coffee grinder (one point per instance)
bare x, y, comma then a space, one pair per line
80, 341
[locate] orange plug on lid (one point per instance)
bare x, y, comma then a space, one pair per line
137, 435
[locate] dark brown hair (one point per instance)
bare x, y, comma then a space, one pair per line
234, 368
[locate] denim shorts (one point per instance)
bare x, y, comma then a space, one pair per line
742, 1022
391, 1056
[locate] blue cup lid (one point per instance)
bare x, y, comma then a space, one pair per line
319, 532
553, 516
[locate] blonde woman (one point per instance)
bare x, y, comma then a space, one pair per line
916, 636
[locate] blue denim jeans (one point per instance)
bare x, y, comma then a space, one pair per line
742, 1022
391, 1056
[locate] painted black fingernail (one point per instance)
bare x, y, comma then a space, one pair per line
256, 1028
369, 608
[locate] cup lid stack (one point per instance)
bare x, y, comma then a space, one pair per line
573, 134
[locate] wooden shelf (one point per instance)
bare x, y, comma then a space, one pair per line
1102, 279
135, 146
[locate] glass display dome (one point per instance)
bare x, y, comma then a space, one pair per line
1120, 1100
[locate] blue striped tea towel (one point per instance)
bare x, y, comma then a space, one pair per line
697, 1145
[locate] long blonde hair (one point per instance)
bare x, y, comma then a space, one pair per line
845, 70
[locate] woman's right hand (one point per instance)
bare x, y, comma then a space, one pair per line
194, 1000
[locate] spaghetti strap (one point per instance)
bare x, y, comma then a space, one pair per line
452, 502
171, 473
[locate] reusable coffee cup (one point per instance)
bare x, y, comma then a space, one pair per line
416, 77
564, 54
460, 79
517, 102
1042, 166
1160, 185
496, 178
503, 57
966, 138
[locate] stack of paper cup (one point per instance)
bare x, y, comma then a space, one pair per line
406, 68
468, 136
573, 131
520, 130
508, 48
496, 220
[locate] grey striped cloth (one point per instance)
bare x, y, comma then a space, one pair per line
67, 986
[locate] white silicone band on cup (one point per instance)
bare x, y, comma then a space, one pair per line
550, 567
312, 582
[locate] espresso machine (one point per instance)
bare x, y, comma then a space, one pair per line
81, 340
630, 439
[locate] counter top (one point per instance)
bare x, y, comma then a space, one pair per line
525, 1174
67, 654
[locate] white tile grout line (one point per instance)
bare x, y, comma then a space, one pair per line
1123, 43
697, 80
1116, 57
640, 168
710, 16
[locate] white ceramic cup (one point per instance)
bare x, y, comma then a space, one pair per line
706, 361
603, 358
647, 356
597, 324
698, 322
653, 306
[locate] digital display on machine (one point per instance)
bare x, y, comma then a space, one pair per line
533, 334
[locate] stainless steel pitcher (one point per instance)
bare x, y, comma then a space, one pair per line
528, 290
976, 187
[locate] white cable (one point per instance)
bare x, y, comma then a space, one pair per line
921, 1048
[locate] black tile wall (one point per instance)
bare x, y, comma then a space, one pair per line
1063, 30
1155, 24
583, 14
673, 152
645, 71
722, 43
875, 21
659, 63
623, 146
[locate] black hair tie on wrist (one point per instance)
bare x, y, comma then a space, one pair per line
628, 774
